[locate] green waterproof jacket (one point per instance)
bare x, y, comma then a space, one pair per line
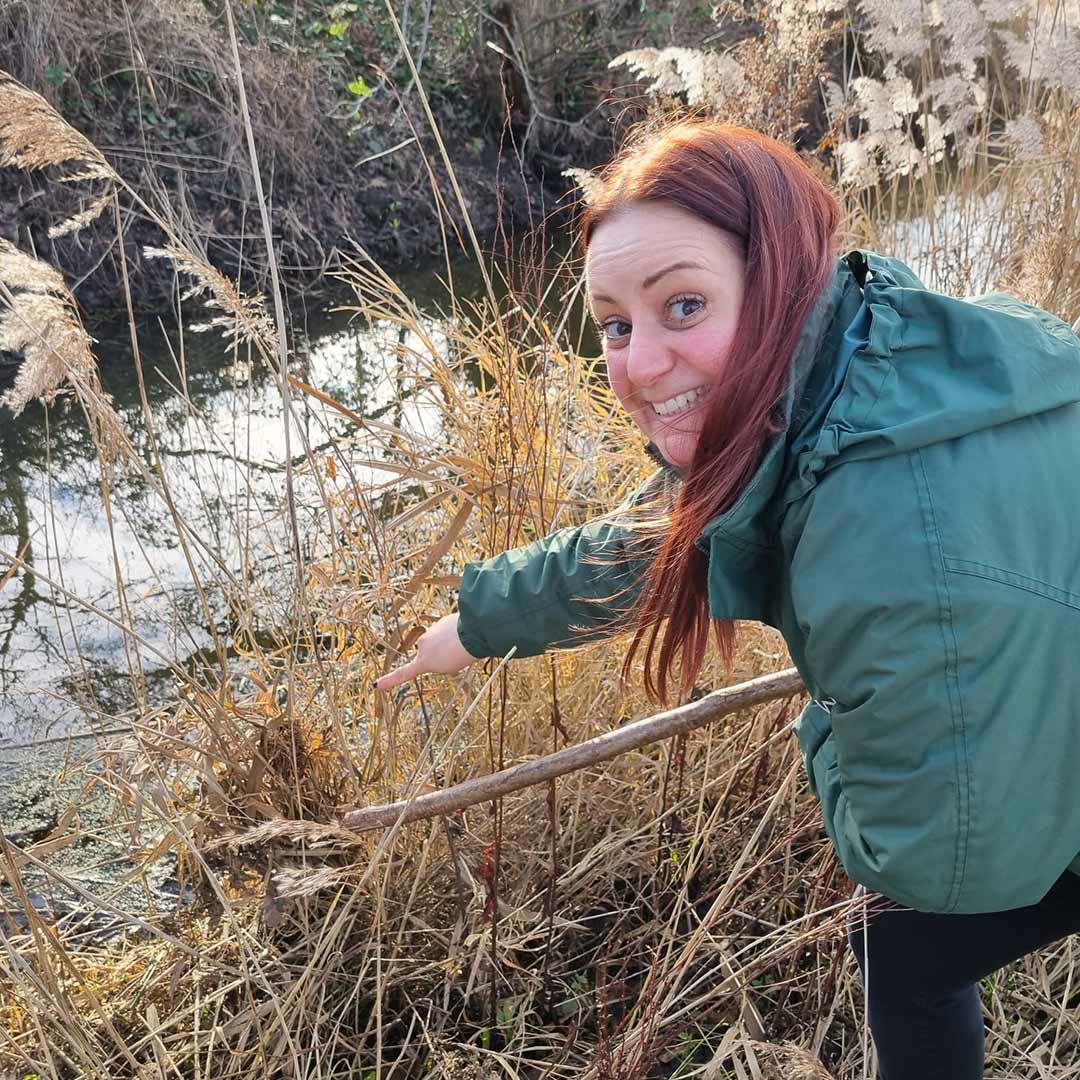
915, 536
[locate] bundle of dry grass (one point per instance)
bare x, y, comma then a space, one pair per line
173, 53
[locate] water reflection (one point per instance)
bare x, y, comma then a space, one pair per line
214, 427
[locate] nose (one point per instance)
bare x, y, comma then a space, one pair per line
647, 357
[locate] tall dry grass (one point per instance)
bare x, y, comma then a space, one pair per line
675, 913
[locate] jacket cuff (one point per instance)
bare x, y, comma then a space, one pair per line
812, 729
468, 628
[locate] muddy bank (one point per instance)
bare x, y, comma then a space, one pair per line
345, 147
87, 842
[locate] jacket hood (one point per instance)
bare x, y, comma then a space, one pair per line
933, 367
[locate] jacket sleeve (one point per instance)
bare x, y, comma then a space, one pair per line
568, 588
818, 746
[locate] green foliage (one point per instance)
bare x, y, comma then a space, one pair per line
348, 40
56, 75
168, 126
343, 36
577, 989
506, 1015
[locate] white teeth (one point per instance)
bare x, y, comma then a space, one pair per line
678, 403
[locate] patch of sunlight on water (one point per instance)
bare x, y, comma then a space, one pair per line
954, 248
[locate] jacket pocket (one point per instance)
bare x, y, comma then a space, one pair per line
1010, 577
1020, 685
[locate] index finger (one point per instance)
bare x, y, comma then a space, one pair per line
398, 676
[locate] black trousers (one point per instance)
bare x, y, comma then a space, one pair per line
922, 998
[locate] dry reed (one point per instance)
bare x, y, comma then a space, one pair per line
34, 136
39, 321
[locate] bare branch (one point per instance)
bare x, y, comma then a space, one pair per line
604, 747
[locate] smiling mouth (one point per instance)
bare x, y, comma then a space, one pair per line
680, 403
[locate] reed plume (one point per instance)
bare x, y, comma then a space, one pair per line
33, 135
245, 316
39, 321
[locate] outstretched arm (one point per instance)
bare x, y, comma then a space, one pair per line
573, 586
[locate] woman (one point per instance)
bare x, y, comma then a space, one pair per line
883, 473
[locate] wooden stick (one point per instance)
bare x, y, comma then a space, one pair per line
663, 725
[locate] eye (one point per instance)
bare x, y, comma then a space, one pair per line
683, 307
614, 329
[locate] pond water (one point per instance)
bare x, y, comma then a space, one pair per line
213, 424
219, 440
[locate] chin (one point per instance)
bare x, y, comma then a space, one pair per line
678, 456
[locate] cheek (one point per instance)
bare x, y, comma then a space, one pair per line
616, 375
711, 350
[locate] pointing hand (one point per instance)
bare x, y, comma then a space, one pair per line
438, 650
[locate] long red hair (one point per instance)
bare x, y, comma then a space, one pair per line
784, 218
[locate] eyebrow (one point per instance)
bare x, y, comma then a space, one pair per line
652, 279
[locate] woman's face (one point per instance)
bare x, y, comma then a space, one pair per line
665, 288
